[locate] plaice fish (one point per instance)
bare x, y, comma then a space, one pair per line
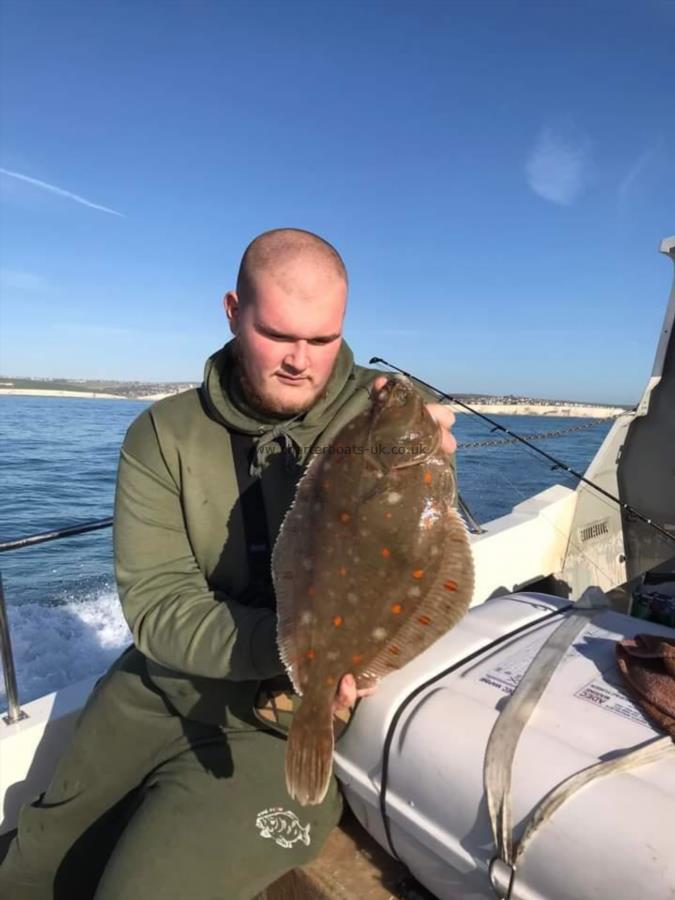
372, 564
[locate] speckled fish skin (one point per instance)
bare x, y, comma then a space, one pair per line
372, 565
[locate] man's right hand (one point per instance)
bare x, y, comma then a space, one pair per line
347, 693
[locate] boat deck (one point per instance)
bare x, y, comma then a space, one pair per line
351, 866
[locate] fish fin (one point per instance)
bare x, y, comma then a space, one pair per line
309, 753
289, 583
444, 604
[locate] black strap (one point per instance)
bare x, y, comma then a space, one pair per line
256, 533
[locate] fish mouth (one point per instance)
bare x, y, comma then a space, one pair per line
396, 391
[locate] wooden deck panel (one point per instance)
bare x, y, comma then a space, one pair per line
351, 866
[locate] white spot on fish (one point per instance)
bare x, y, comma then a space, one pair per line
352, 598
379, 634
307, 564
394, 497
332, 655
363, 532
414, 591
317, 507
357, 559
433, 551
306, 618
327, 465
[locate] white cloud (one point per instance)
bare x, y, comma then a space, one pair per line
638, 169
53, 189
558, 166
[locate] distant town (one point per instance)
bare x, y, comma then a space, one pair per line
502, 404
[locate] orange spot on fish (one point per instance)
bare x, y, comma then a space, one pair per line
345, 517
418, 573
387, 515
326, 485
330, 681
311, 654
311, 591
396, 608
424, 620
337, 621
386, 552
393, 650
450, 585
428, 478
356, 659
343, 571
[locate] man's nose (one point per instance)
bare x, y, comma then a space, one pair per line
297, 357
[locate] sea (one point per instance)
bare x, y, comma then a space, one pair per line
58, 461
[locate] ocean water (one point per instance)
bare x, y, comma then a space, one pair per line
58, 459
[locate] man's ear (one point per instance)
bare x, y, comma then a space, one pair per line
232, 310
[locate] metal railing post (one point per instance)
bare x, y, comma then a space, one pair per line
14, 711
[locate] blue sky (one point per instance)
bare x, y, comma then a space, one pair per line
497, 176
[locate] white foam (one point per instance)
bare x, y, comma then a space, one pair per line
58, 645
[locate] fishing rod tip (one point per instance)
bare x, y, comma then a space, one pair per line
375, 359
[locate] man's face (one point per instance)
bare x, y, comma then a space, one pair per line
288, 335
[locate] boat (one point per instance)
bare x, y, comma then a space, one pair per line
532, 566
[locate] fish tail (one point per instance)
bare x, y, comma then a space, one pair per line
309, 752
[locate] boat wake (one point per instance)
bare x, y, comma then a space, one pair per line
57, 645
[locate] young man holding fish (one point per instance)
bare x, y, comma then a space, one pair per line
173, 786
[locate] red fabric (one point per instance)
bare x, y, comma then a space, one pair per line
647, 664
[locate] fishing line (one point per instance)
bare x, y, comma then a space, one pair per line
557, 464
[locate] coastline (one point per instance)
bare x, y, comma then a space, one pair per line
566, 411
582, 411
36, 392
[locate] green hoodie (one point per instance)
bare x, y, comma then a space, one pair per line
180, 553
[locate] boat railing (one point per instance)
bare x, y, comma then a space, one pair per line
14, 711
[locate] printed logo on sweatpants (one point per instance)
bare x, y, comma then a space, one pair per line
282, 826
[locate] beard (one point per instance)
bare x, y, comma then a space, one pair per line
266, 403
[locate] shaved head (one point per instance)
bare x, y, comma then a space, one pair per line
280, 253
286, 316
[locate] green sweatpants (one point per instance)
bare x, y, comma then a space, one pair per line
145, 804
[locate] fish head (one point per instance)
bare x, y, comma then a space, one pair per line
401, 424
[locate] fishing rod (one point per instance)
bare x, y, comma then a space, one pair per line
557, 464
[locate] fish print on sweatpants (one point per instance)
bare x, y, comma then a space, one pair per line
283, 827
372, 564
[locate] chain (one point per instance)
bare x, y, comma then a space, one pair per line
501, 442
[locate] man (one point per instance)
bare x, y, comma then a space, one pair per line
173, 784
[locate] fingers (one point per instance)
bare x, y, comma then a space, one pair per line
345, 697
445, 418
347, 693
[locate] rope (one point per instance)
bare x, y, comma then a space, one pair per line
540, 436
